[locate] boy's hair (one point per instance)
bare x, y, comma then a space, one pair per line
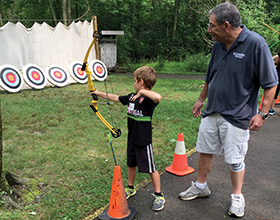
148, 74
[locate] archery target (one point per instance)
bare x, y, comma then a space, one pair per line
77, 73
34, 76
57, 75
10, 78
99, 70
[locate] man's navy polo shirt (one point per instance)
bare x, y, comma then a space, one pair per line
234, 77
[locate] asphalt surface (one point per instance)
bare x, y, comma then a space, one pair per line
260, 188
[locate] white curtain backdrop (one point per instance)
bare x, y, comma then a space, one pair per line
44, 45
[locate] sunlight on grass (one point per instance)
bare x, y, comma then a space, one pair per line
53, 136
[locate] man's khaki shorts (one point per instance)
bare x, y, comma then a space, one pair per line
216, 134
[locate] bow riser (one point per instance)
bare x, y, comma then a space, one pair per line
115, 132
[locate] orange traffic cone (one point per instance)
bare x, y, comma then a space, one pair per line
118, 207
180, 162
277, 100
261, 102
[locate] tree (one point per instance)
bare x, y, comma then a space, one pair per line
175, 18
53, 12
66, 11
1, 15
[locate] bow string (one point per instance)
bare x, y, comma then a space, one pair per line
115, 132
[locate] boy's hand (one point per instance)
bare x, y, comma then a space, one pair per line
136, 96
93, 92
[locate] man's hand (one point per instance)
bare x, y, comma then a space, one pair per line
256, 123
197, 109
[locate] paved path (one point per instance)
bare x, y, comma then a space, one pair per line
261, 184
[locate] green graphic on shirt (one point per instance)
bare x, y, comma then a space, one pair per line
140, 118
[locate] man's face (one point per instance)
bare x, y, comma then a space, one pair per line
217, 31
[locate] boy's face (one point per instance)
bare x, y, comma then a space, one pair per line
137, 84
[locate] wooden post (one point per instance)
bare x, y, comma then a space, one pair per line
97, 53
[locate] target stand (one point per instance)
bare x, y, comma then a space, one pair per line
10, 78
57, 76
34, 76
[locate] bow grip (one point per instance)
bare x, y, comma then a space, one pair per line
84, 66
94, 96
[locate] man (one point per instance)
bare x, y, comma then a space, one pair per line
277, 64
240, 63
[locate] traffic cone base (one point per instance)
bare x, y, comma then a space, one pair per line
118, 207
180, 166
180, 162
104, 215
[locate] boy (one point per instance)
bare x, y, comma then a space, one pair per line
141, 105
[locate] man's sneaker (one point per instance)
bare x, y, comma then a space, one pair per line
271, 111
158, 203
194, 192
237, 206
129, 192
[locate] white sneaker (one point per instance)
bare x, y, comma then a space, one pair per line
237, 206
194, 192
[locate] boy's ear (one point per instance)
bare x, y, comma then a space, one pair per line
142, 83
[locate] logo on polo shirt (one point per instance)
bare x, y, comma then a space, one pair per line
239, 55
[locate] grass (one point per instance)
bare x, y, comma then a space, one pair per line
192, 64
53, 137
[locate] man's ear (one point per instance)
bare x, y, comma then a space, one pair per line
227, 26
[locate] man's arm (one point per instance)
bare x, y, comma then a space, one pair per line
257, 121
199, 104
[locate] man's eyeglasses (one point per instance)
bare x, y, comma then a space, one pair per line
210, 25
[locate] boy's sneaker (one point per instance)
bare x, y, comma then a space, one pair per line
271, 111
158, 203
129, 192
237, 206
194, 192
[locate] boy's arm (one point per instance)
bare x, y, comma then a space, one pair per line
111, 97
150, 94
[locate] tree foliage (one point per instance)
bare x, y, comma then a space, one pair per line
154, 29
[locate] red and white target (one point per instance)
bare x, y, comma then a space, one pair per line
57, 76
34, 76
10, 78
77, 73
98, 69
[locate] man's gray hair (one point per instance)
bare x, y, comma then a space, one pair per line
227, 12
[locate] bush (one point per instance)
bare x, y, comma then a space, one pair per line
192, 64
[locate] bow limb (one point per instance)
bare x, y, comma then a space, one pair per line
115, 132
